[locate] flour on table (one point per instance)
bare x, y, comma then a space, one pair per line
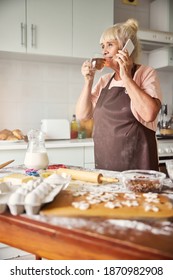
113, 205
82, 205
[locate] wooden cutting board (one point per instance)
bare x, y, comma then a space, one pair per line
62, 206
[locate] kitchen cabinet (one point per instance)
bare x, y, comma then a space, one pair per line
76, 156
163, 9
89, 161
12, 25
70, 156
68, 27
36, 26
165, 61
17, 154
55, 27
49, 27
7, 252
90, 19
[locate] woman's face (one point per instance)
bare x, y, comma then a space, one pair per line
109, 50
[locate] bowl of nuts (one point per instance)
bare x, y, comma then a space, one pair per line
143, 180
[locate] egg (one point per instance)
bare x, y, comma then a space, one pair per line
33, 198
16, 198
45, 188
23, 191
37, 182
28, 185
41, 194
4, 188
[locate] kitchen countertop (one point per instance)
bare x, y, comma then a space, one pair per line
20, 145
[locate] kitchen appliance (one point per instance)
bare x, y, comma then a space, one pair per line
161, 58
165, 150
56, 129
153, 40
159, 45
165, 123
169, 167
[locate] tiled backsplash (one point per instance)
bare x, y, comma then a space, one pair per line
31, 91
34, 90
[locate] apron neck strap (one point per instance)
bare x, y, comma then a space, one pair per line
134, 68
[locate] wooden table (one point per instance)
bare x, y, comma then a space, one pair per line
88, 238
83, 238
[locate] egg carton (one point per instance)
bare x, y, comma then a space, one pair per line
5, 191
31, 196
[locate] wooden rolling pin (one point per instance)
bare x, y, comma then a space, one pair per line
92, 177
6, 163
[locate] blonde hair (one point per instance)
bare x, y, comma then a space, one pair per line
122, 32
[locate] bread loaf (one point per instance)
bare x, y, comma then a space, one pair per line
12, 138
5, 133
18, 134
13, 135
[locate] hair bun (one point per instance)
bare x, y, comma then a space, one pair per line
133, 23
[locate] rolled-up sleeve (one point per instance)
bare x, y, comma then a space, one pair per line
147, 79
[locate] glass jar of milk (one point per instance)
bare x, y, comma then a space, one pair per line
36, 155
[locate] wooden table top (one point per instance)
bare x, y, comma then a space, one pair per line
88, 238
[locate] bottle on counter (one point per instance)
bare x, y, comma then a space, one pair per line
74, 128
36, 155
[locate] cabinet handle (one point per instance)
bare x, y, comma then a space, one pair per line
33, 35
22, 27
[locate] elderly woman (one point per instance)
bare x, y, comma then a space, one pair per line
124, 104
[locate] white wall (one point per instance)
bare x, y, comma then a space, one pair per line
140, 12
31, 91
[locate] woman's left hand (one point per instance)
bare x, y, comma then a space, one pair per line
125, 63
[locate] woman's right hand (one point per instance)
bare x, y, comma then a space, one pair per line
87, 70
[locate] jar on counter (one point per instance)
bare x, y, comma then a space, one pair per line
81, 134
87, 126
36, 155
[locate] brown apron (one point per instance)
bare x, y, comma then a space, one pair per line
121, 142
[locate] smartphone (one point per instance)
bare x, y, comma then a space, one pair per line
129, 47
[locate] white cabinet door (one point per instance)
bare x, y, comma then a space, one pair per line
12, 26
70, 156
90, 18
17, 154
89, 161
49, 27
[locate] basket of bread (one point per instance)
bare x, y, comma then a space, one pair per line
12, 135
